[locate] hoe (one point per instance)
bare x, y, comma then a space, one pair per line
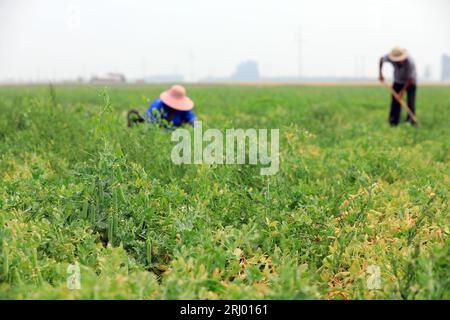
402, 103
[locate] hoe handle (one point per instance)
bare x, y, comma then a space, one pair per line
402, 103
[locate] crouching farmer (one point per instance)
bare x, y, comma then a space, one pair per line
404, 81
172, 109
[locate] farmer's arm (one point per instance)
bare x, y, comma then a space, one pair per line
380, 73
153, 112
406, 86
190, 117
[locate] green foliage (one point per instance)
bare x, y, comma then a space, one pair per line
77, 185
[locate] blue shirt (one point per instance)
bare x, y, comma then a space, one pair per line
159, 110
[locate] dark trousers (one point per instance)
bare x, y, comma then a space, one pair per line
394, 116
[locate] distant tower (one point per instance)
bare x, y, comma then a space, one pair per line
360, 63
144, 67
192, 67
445, 67
299, 57
427, 72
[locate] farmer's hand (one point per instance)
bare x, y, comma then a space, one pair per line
381, 78
400, 94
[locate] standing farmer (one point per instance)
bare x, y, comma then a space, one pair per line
404, 81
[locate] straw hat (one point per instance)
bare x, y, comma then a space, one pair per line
398, 54
176, 98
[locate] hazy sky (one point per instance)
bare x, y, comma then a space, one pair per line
54, 39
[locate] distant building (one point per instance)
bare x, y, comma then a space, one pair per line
109, 78
445, 67
165, 78
246, 71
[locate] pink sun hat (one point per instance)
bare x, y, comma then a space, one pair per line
177, 99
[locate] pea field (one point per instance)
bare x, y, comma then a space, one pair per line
353, 198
